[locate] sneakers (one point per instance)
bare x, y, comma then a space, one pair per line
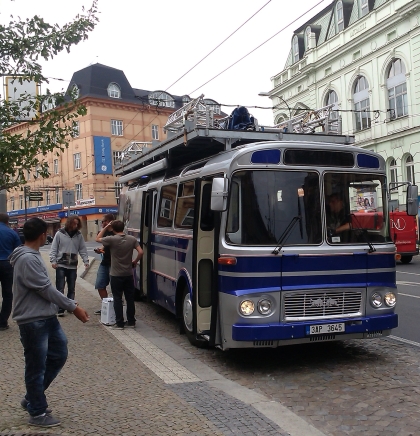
118, 327
61, 312
43, 420
131, 325
97, 312
24, 403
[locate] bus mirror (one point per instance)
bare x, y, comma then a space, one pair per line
412, 202
219, 194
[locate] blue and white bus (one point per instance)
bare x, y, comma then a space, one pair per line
239, 245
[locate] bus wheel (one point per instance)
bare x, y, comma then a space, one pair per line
406, 259
187, 319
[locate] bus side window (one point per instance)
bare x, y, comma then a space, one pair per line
207, 215
167, 206
232, 228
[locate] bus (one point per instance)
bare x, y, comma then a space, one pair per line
240, 235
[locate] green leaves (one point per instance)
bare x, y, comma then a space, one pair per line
22, 43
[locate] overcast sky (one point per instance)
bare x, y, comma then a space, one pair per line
156, 42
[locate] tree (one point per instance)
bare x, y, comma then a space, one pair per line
22, 44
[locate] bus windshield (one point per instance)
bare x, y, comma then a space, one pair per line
356, 208
264, 203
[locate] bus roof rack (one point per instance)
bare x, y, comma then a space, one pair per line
194, 133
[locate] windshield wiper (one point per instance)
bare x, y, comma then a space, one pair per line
286, 234
364, 233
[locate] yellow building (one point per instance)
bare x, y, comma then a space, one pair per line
117, 116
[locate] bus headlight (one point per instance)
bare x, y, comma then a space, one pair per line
247, 307
264, 306
376, 300
390, 299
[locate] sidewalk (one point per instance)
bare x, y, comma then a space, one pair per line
135, 382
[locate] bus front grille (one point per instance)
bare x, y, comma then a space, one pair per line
299, 306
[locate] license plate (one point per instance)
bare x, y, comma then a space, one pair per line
326, 328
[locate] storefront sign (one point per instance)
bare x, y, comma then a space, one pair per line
103, 156
89, 202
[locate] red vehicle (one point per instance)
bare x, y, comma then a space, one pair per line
404, 233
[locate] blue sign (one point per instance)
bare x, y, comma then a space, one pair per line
103, 154
89, 211
36, 209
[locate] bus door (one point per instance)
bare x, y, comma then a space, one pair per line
149, 200
205, 285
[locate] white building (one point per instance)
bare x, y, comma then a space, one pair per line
363, 56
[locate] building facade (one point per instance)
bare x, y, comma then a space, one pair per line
361, 56
118, 117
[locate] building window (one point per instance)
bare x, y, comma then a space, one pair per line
409, 167
393, 171
75, 91
308, 32
47, 197
361, 104
57, 195
77, 161
117, 188
212, 105
76, 129
21, 205
397, 90
55, 166
116, 127
155, 131
185, 100
79, 191
12, 203
28, 175
114, 90
295, 49
160, 98
332, 98
340, 16
364, 4
116, 156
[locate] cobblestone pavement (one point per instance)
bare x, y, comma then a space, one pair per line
134, 382
341, 388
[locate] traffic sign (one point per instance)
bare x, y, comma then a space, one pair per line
68, 198
36, 197
36, 193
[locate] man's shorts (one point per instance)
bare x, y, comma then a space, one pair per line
102, 278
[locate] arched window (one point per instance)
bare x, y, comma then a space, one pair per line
393, 171
114, 90
295, 49
214, 106
364, 6
161, 98
332, 98
409, 168
397, 90
361, 104
308, 32
340, 16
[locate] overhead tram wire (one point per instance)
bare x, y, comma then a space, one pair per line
259, 46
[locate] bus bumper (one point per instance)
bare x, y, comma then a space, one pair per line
300, 330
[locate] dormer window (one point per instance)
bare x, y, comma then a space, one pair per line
185, 99
114, 90
161, 98
295, 49
340, 16
364, 4
308, 32
75, 91
212, 105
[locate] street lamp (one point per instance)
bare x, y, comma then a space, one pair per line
267, 94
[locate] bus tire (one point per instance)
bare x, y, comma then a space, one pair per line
406, 259
187, 319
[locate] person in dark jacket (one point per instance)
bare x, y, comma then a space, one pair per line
9, 240
68, 243
35, 306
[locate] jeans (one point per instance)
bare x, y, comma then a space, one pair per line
45, 350
66, 274
6, 280
102, 277
120, 285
